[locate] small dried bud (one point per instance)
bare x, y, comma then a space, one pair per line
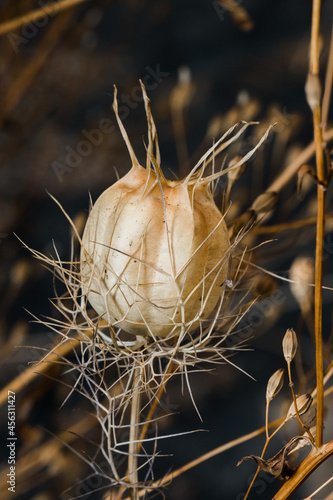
274, 385
265, 202
289, 345
302, 275
305, 179
239, 15
313, 91
183, 92
236, 172
20, 273
242, 19
303, 405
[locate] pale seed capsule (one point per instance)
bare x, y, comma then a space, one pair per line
289, 345
303, 403
302, 275
265, 202
274, 384
155, 252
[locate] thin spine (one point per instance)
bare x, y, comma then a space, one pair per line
133, 157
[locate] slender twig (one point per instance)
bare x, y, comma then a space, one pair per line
287, 226
34, 15
41, 366
328, 85
171, 369
291, 169
266, 418
203, 458
133, 446
306, 468
291, 385
319, 489
313, 97
268, 439
34, 65
169, 372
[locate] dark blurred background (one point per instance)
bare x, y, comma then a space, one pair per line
205, 66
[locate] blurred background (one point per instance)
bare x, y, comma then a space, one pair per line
206, 64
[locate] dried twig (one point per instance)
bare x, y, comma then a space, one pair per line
34, 15
313, 98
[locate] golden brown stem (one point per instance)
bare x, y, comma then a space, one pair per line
34, 15
41, 366
133, 447
313, 95
291, 385
311, 462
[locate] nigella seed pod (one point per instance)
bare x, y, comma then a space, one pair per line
274, 384
303, 403
289, 345
154, 256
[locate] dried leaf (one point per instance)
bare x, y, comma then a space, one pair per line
298, 443
303, 171
279, 465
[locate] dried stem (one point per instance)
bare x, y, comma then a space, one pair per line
28, 73
290, 170
266, 418
291, 385
311, 462
41, 366
287, 226
217, 451
313, 96
328, 86
34, 15
133, 446
268, 439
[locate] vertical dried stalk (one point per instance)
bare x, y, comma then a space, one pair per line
133, 446
313, 95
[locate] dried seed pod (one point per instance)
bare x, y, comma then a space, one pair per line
303, 403
155, 252
265, 202
274, 384
289, 345
302, 276
313, 91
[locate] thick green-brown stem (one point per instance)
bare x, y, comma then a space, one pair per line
314, 101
